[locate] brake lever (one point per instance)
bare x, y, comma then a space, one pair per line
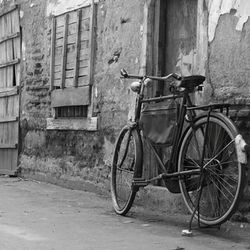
124, 73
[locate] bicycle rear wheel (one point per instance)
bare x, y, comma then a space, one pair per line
215, 193
127, 165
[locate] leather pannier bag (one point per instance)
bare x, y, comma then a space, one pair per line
158, 121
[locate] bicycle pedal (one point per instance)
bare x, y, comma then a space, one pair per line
139, 182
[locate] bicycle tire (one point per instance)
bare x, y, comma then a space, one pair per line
221, 184
126, 165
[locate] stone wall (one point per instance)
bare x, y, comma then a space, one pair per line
76, 154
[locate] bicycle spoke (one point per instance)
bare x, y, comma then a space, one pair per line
218, 188
194, 161
224, 174
211, 198
215, 203
220, 167
228, 156
224, 163
210, 204
125, 170
204, 207
217, 137
128, 184
198, 147
219, 176
218, 154
126, 148
223, 182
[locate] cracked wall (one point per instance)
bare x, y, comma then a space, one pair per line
229, 48
228, 64
222, 53
76, 154
216, 8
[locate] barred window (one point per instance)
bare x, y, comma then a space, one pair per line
71, 111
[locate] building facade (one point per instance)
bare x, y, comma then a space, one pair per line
72, 101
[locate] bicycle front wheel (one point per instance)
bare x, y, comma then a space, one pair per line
215, 193
127, 165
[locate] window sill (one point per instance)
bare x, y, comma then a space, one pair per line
88, 124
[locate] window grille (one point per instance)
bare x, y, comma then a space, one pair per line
71, 111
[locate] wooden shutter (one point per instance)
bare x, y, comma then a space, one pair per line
10, 55
72, 57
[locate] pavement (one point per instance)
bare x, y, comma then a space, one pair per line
36, 215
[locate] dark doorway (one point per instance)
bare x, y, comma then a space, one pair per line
174, 50
176, 41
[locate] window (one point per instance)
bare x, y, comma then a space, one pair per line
72, 55
71, 111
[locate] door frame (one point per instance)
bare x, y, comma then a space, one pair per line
152, 56
153, 59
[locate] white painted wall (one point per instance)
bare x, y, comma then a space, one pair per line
216, 8
62, 6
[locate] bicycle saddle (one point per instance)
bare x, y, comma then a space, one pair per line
190, 82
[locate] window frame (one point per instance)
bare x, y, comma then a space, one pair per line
74, 95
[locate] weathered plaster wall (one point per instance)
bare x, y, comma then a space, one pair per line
238, 8
35, 99
223, 55
118, 38
58, 7
228, 37
76, 154
181, 36
228, 64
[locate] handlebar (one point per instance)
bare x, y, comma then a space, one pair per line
125, 74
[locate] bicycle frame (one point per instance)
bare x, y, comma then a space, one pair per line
185, 106
202, 163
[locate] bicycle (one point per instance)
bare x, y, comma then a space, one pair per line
207, 160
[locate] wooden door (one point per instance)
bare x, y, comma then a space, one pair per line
175, 39
181, 28
10, 55
174, 50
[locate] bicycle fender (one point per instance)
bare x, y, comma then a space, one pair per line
241, 145
241, 149
218, 115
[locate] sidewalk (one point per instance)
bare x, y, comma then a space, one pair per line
36, 215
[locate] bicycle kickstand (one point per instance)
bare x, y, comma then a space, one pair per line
188, 232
